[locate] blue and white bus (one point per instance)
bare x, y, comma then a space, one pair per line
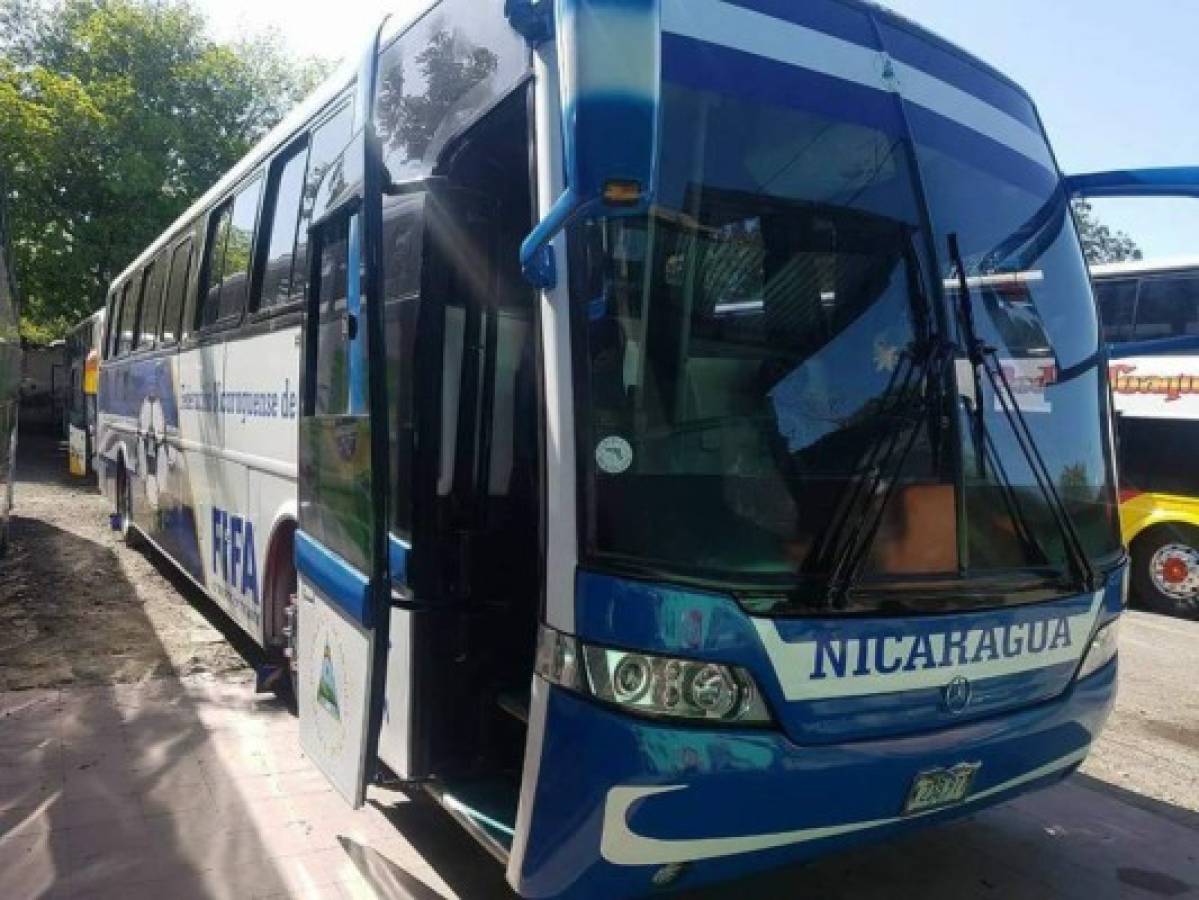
704, 435
199, 383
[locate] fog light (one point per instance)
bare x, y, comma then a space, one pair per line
669, 874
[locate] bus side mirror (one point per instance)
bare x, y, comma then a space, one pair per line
609, 78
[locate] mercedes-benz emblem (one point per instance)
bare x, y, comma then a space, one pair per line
957, 694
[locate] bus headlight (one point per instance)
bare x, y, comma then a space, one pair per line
652, 685
1102, 650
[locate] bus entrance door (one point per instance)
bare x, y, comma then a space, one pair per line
341, 545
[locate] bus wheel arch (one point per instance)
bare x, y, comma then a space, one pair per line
1165, 568
281, 585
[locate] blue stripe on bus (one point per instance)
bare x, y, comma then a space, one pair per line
708, 67
829, 16
397, 557
338, 581
956, 69
1170, 346
973, 149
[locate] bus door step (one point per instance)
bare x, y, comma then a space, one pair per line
485, 807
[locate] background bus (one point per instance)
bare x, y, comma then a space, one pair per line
84, 344
200, 379
1150, 314
10, 370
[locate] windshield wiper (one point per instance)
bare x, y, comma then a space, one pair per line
984, 360
860, 514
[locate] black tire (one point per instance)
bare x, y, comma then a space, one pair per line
1165, 570
283, 589
129, 532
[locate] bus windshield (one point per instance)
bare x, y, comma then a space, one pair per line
755, 356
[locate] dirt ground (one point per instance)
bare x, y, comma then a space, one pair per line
77, 608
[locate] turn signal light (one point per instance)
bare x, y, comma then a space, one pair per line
622, 193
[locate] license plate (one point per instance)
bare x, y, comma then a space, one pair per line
940, 787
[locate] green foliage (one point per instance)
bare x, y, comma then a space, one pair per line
114, 116
1099, 242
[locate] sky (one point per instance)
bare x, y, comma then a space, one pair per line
1117, 84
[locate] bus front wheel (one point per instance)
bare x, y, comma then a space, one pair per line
1165, 570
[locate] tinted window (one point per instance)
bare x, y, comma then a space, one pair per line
1169, 307
113, 321
128, 317
230, 255
151, 302
335, 431
172, 312
1117, 306
437, 78
214, 265
287, 189
403, 234
328, 140
238, 250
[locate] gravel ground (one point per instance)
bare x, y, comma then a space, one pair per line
77, 607
1150, 747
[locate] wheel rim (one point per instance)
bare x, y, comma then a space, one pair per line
1174, 570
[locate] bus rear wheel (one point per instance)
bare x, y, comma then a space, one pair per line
1165, 570
125, 507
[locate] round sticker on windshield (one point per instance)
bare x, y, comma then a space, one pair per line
614, 455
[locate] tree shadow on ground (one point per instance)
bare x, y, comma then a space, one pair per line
120, 784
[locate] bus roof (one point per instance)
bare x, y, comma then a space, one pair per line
1144, 267
95, 318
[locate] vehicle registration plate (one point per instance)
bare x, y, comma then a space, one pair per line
940, 787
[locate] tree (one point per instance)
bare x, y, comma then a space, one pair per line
114, 116
1099, 242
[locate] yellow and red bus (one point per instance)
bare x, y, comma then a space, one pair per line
1150, 314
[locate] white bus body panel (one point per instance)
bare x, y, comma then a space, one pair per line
208, 437
333, 694
1156, 387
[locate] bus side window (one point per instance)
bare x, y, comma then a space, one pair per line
227, 266
1117, 308
128, 318
151, 302
176, 291
328, 140
1168, 307
214, 265
275, 285
112, 331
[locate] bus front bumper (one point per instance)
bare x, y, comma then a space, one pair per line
621, 807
